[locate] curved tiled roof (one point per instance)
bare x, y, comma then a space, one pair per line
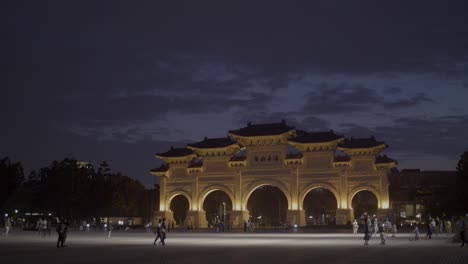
252, 130
342, 158
237, 158
162, 168
384, 159
195, 164
294, 156
176, 152
213, 143
361, 143
315, 137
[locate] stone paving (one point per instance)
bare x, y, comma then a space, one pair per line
136, 247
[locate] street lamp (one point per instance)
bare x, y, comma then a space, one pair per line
16, 211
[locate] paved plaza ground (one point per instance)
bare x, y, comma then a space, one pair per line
223, 248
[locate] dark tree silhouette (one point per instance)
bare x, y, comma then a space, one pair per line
12, 177
462, 182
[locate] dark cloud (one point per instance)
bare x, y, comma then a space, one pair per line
393, 90
348, 98
328, 99
409, 102
438, 136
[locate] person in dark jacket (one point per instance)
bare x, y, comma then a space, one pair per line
62, 229
158, 232
163, 231
367, 230
429, 230
462, 228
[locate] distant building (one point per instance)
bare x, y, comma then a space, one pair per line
416, 195
85, 165
325, 160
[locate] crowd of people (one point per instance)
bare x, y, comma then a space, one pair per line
372, 226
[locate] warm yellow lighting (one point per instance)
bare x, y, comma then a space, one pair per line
344, 204
385, 205
294, 206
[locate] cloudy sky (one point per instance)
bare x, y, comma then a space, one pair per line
122, 80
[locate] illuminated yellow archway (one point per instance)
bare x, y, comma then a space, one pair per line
309, 187
212, 188
361, 188
256, 184
177, 193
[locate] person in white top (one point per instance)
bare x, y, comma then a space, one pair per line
355, 227
7, 226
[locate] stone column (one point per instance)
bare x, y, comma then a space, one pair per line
294, 190
238, 218
195, 199
237, 203
197, 219
344, 215
163, 214
296, 217
162, 194
384, 196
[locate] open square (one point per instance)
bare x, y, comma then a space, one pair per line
136, 247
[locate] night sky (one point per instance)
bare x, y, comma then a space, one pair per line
122, 80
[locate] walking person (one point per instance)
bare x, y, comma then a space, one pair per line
48, 226
394, 230
433, 226
462, 226
245, 226
7, 225
381, 230
355, 227
416, 233
367, 230
376, 225
44, 227
163, 231
62, 229
158, 232
429, 230
448, 227
110, 227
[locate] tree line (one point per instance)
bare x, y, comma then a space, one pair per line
67, 189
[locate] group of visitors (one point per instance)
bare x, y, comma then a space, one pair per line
249, 226
43, 226
372, 225
161, 232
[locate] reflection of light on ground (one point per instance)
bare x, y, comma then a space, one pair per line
226, 239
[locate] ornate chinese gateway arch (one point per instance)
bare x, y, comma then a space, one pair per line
216, 164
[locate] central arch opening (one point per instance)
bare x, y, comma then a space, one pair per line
268, 206
320, 207
218, 207
364, 202
179, 206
